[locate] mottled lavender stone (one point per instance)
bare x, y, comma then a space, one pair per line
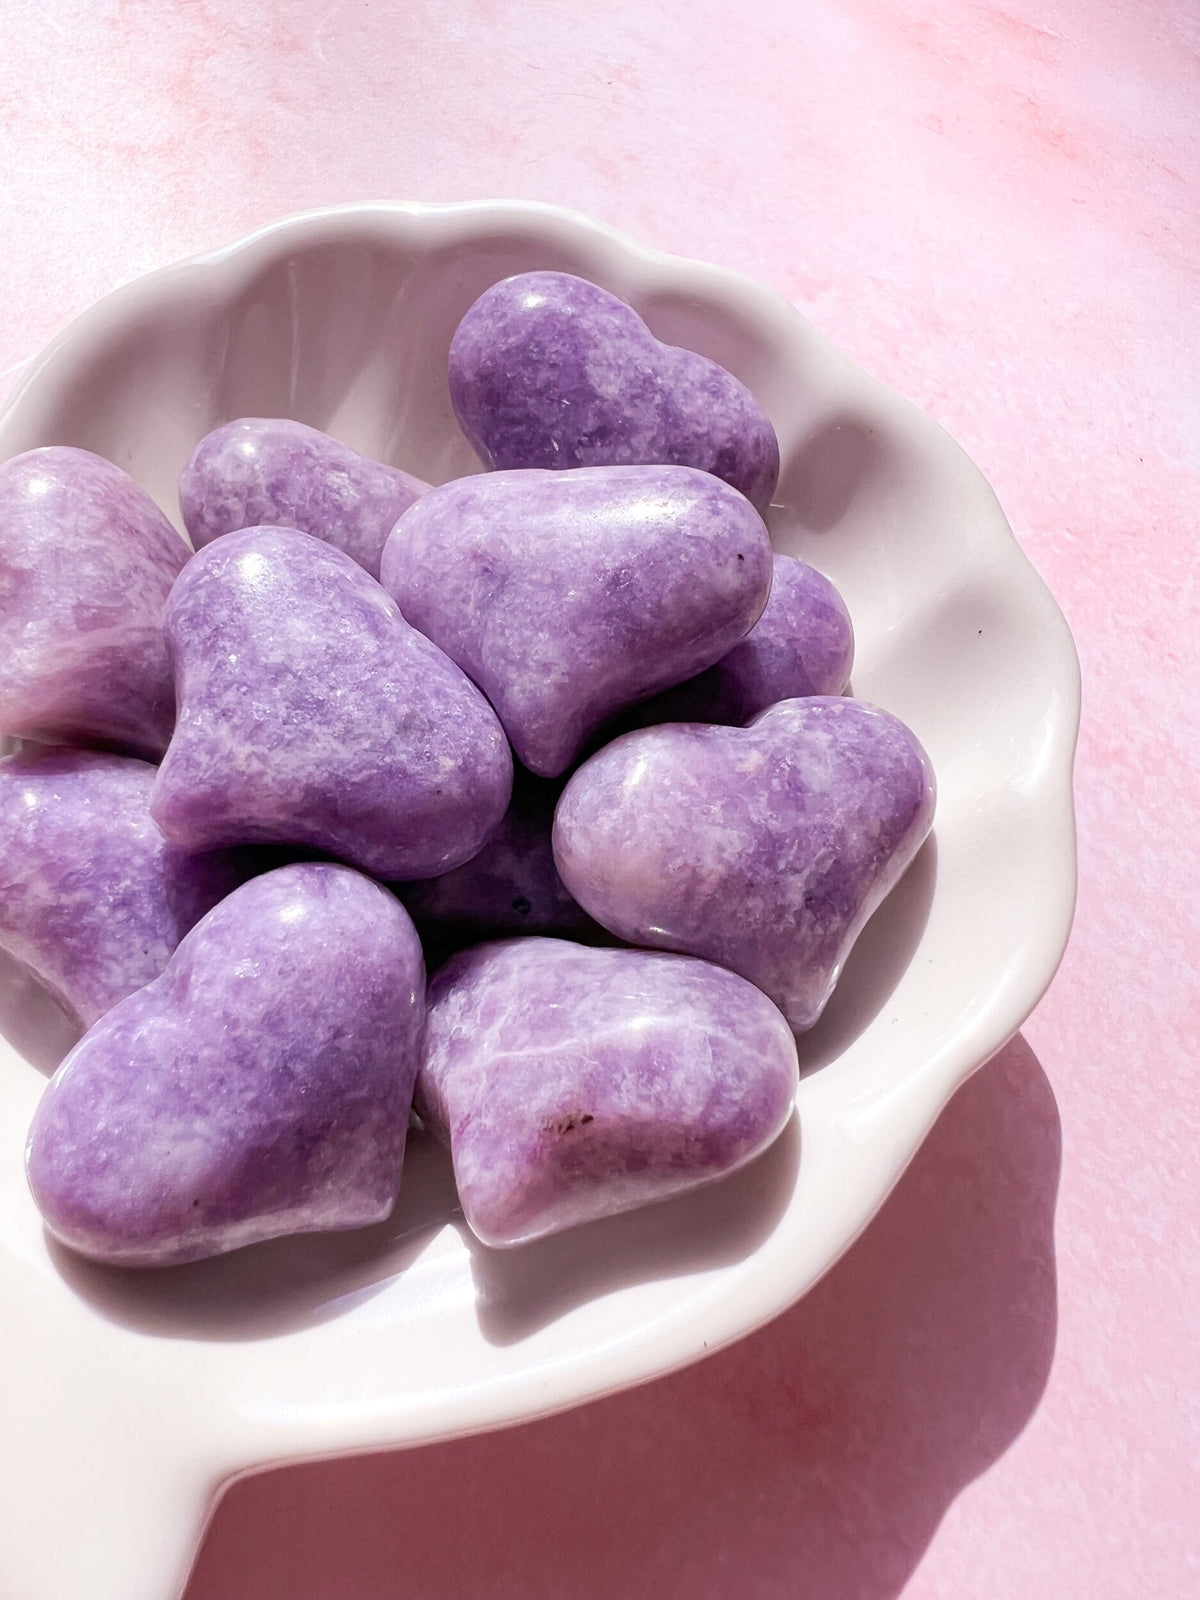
270, 470
86, 561
93, 901
547, 370
512, 885
803, 644
260, 1086
310, 713
763, 848
573, 1083
568, 595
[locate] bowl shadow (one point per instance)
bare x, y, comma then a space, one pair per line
815, 1458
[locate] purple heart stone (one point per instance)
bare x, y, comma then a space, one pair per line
93, 901
572, 1083
86, 562
763, 848
512, 886
262, 471
568, 595
547, 370
803, 644
260, 1086
310, 713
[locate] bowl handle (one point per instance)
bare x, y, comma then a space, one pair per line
113, 1518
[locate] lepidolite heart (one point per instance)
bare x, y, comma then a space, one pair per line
763, 848
572, 1083
93, 901
260, 1086
803, 644
568, 595
311, 713
270, 470
511, 887
547, 370
86, 562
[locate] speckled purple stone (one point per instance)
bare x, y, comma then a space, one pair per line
547, 370
568, 595
86, 562
763, 848
260, 1086
270, 470
310, 713
512, 886
573, 1083
93, 901
803, 644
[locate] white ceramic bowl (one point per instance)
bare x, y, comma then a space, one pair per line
128, 1400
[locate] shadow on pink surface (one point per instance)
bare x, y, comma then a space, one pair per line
812, 1461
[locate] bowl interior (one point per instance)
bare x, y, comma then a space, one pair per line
411, 1330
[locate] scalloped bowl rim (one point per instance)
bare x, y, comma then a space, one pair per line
913, 1105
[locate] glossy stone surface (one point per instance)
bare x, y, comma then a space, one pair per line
270, 470
260, 1086
310, 713
803, 644
86, 562
547, 370
573, 1083
568, 595
512, 886
763, 848
93, 901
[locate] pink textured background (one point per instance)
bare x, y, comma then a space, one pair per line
996, 209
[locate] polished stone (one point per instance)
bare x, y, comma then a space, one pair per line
763, 848
260, 1086
86, 563
93, 901
271, 470
310, 713
548, 370
512, 886
573, 1083
803, 644
567, 596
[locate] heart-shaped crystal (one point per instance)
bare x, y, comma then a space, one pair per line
763, 848
93, 900
803, 644
260, 1086
311, 713
568, 595
548, 370
572, 1083
269, 470
511, 887
86, 562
